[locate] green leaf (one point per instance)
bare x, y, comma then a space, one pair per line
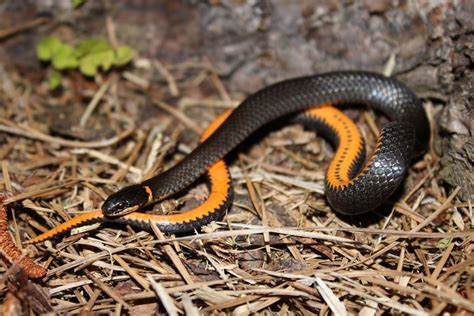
65, 58
47, 48
101, 46
105, 59
61, 62
91, 45
84, 47
87, 66
54, 80
77, 3
123, 55
90, 63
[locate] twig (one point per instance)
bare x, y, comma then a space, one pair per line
189, 123
173, 87
165, 298
107, 290
94, 102
23, 27
173, 256
34, 134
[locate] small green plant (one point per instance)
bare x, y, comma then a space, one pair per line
89, 56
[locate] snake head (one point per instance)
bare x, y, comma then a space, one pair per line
127, 200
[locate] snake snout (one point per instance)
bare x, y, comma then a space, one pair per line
125, 201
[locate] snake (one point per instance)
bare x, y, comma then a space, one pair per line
352, 186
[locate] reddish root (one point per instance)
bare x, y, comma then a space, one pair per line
10, 254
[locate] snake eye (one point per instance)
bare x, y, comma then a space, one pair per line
125, 201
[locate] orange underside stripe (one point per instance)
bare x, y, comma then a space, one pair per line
74, 222
350, 143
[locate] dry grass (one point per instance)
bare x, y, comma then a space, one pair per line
280, 248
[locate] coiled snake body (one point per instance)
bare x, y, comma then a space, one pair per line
351, 188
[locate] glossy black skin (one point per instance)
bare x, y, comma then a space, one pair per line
126, 200
291, 96
381, 176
